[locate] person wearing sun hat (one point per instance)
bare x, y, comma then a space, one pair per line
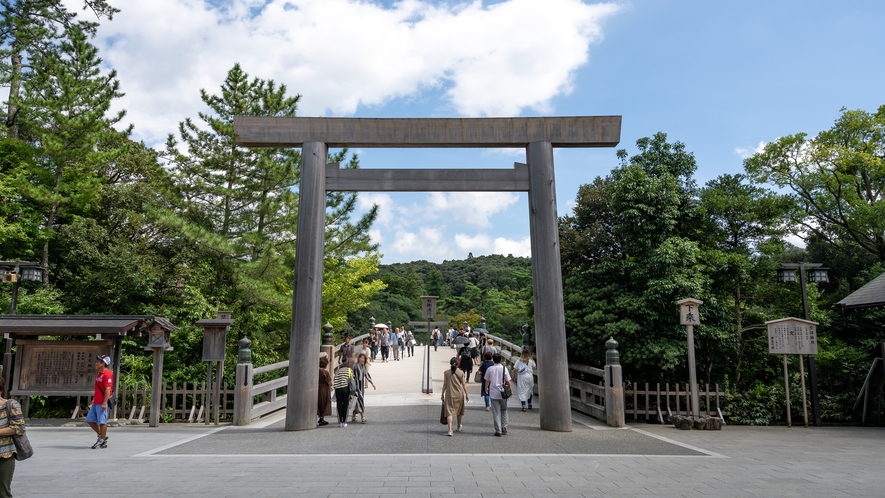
98, 414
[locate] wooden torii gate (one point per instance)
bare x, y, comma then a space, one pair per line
539, 135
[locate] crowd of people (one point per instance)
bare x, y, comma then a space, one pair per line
474, 351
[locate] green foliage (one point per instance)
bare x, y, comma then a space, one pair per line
495, 287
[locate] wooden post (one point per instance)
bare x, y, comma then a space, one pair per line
243, 388
156, 387
207, 398
804, 401
552, 352
304, 337
787, 390
614, 400
118, 345
692, 373
219, 378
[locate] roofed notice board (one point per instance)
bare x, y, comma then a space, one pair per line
792, 336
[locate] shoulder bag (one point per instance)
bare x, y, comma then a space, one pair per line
477, 377
23, 449
506, 392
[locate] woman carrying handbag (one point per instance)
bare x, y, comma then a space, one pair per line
12, 423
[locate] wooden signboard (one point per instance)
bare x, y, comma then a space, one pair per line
57, 368
792, 336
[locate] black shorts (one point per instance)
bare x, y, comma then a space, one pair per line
474, 353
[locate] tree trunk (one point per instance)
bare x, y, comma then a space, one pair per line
14, 89
50, 220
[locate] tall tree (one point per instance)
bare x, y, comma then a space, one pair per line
240, 206
65, 110
29, 29
836, 177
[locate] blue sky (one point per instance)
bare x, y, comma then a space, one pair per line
722, 77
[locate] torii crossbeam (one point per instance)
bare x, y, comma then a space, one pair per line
538, 135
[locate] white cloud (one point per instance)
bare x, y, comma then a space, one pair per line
746, 152
467, 208
342, 54
484, 244
365, 201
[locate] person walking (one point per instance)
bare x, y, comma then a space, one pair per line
410, 343
454, 391
489, 348
465, 361
496, 378
394, 343
525, 378
12, 423
384, 340
97, 418
324, 393
474, 349
483, 390
341, 384
373, 344
358, 397
434, 337
345, 353
366, 350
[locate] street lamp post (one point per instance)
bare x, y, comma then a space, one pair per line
15, 272
787, 274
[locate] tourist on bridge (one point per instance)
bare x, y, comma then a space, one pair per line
410, 343
394, 343
373, 344
345, 354
365, 350
402, 342
384, 341
454, 392
357, 398
496, 378
435, 338
474, 348
483, 391
523, 371
465, 361
341, 383
489, 348
324, 393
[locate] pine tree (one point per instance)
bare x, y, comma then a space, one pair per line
64, 112
28, 30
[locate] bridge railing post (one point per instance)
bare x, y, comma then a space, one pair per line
614, 395
243, 389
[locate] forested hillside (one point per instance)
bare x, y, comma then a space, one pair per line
498, 288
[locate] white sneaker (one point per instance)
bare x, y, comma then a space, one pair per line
343, 425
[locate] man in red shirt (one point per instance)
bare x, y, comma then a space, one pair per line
98, 414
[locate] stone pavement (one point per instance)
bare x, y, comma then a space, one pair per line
403, 450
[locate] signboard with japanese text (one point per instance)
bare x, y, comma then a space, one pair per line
689, 313
792, 336
428, 306
57, 368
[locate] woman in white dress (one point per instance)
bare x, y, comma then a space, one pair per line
523, 372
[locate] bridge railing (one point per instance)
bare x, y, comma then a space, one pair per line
252, 401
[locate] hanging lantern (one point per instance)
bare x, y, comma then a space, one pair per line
786, 275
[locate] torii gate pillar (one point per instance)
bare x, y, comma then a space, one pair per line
556, 410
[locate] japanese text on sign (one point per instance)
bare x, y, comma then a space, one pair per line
792, 337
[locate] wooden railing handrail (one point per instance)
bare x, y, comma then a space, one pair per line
588, 370
353, 340
269, 368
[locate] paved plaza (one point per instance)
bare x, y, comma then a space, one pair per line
404, 450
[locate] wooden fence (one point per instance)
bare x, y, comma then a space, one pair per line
641, 402
181, 403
